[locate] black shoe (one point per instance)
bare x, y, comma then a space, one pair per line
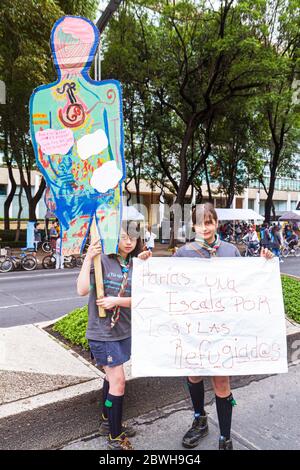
225, 444
198, 430
104, 430
119, 443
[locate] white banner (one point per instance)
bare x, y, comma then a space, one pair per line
196, 316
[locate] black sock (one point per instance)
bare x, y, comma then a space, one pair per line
105, 390
224, 410
197, 396
114, 406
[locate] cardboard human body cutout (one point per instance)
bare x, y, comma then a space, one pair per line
77, 134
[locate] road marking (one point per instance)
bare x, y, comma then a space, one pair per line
41, 302
7, 278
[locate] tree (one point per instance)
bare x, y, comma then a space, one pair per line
277, 106
236, 151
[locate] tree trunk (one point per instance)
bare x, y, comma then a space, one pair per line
10, 196
210, 198
129, 195
269, 200
19, 215
35, 199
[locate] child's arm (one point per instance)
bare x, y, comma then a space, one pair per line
111, 302
83, 281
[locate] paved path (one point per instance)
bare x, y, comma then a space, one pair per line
266, 417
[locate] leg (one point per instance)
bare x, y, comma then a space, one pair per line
114, 403
199, 427
196, 389
114, 399
224, 403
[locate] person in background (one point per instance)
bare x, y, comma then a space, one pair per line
59, 257
276, 242
292, 240
265, 236
149, 239
37, 236
57, 227
53, 235
287, 231
238, 233
251, 237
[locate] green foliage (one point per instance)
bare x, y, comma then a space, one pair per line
73, 327
291, 296
185, 63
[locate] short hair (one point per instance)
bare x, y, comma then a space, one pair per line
202, 212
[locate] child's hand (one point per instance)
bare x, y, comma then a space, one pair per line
145, 255
265, 253
94, 249
107, 302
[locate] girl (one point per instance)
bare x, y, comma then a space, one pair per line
110, 337
207, 243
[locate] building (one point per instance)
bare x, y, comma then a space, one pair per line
286, 197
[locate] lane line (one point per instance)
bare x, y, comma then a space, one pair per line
38, 275
40, 302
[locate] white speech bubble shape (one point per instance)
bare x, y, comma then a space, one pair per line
106, 177
92, 144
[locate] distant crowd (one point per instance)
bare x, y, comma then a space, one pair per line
276, 237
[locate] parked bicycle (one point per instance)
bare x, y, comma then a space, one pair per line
10, 262
49, 261
70, 261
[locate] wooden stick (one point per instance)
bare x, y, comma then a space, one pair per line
98, 270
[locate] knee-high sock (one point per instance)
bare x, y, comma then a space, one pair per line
197, 396
224, 410
105, 390
114, 406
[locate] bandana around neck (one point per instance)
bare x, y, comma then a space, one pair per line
210, 247
125, 264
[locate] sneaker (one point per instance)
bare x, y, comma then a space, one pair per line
198, 430
104, 430
225, 444
119, 443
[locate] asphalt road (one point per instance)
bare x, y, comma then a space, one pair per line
33, 297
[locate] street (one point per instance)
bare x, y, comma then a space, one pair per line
37, 296
33, 297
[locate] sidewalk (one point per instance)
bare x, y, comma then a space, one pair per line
265, 418
50, 395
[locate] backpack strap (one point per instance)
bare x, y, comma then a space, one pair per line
200, 252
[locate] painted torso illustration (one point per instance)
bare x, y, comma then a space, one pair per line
77, 134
